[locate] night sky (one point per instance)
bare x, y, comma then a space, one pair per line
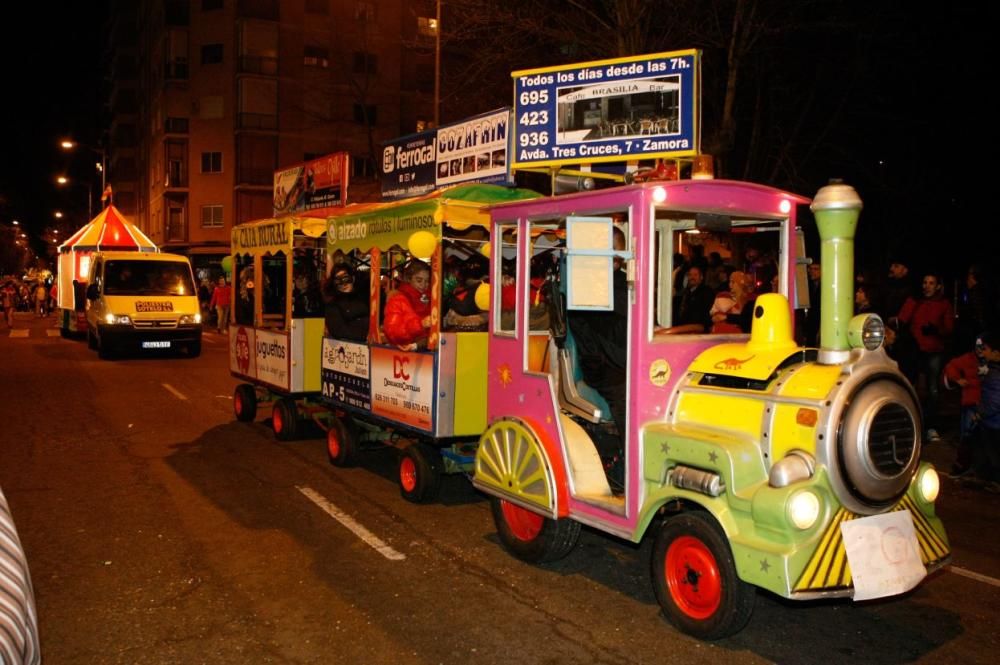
52, 57
927, 153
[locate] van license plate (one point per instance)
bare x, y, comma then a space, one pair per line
156, 345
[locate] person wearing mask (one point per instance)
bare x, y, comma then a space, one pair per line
346, 304
408, 309
930, 320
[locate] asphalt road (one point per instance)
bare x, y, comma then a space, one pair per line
160, 530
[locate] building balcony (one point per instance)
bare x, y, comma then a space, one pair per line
258, 64
257, 121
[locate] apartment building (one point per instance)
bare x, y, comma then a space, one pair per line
207, 98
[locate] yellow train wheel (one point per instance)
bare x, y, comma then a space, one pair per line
510, 460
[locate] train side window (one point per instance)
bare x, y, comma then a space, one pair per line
504, 279
274, 290
307, 269
243, 286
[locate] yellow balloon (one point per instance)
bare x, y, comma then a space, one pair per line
485, 249
483, 296
422, 244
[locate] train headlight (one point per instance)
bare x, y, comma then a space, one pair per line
803, 509
930, 485
866, 330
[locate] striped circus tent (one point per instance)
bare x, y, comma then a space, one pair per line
109, 231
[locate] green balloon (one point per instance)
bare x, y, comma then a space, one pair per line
227, 264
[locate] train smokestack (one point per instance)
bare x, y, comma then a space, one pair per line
836, 208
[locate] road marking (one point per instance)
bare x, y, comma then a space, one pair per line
178, 394
52, 333
361, 532
974, 576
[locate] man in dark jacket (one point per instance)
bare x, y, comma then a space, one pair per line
696, 303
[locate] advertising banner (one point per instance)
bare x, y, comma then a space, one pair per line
473, 150
271, 357
319, 183
241, 355
403, 386
346, 373
640, 107
272, 237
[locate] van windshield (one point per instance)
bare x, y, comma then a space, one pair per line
147, 278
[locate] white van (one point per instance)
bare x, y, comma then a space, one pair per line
142, 301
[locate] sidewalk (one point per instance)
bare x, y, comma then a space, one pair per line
27, 324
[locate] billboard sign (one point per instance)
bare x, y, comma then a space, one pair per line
318, 183
626, 109
473, 150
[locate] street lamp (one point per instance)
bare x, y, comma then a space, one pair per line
102, 166
63, 180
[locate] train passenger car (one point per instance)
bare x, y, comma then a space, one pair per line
426, 397
276, 320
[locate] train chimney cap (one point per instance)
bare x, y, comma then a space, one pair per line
836, 196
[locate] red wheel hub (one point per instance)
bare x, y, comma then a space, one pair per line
408, 474
693, 578
238, 404
524, 524
276, 420
333, 442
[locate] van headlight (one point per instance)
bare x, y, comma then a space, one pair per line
117, 319
803, 509
188, 319
866, 330
930, 484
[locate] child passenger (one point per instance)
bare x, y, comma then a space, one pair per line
408, 310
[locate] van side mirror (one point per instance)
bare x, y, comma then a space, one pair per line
93, 293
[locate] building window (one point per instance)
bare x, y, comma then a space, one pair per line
211, 216
365, 63
365, 114
362, 167
177, 126
316, 56
211, 162
427, 26
211, 54
318, 7
364, 12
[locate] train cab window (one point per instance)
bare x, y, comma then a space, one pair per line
708, 269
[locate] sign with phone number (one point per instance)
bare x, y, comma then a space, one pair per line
640, 107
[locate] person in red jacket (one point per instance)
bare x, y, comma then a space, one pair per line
408, 309
964, 372
222, 297
931, 321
